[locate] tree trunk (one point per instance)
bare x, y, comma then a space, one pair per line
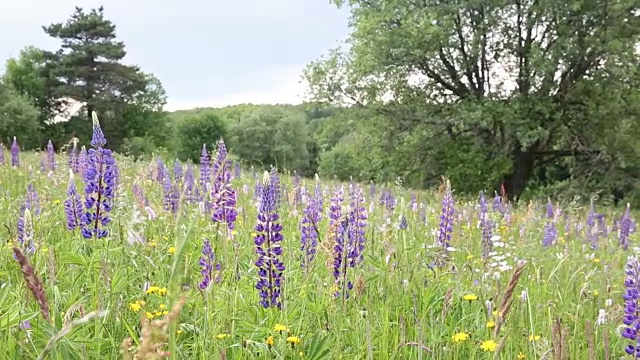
523, 164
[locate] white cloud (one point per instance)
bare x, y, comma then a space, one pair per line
284, 86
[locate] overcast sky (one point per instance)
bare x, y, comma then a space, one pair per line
205, 52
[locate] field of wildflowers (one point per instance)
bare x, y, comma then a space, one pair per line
106, 258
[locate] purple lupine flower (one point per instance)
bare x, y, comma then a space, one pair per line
82, 161
33, 200
43, 163
403, 224
268, 246
387, 200
297, 196
338, 226
238, 170
177, 173
602, 226
15, 153
278, 191
161, 171
357, 221
74, 163
486, 227
189, 187
205, 170
257, 192
208, 263
498, 205
73, 207
223, 196
25, 227
550, 232
51, 156
20, 224
171, 196
625, 227
309, 231
631, 319
445, 229
138, 195
592, 234
99, 178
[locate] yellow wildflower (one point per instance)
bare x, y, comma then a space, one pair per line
56, 202
522, 356
293, 340
460, 337
180, 331
221, 336
489, 346
491, 324
158, 290
233, 232
595, 292
534, 338
470, 297
152, 289
280, 328
149, 315
596, 260
152, 244
269, 341
162, 306
469, 257
135, 306
171, 250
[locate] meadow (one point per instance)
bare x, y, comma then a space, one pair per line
345, 270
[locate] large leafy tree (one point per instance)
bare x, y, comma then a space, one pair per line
521, 83
18, 117
88, 67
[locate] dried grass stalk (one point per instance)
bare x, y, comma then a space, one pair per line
33, 283
507, 298
590, 340
446, 304
559, 344
153, 336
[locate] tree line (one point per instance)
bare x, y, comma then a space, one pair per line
533, 96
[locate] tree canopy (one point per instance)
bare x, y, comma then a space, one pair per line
526, 86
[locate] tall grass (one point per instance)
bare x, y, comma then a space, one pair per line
401, 307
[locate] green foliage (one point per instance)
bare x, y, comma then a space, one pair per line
271, 136
18, 117
400, 307
480, 77
194, 131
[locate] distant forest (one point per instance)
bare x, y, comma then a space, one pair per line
533, 97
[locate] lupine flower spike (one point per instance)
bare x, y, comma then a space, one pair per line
631, 320
446, 218
223, 196
207, 262
15, 153
268, 241
73, 207
99, 180
51, 156
625, 228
